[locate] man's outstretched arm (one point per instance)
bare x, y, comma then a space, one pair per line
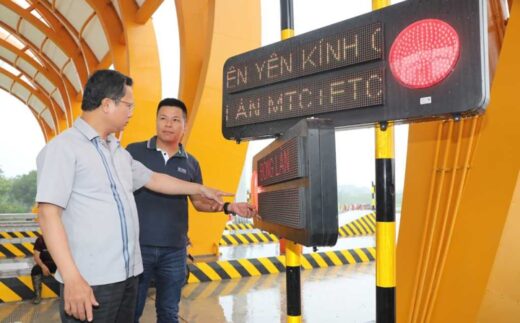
170, 185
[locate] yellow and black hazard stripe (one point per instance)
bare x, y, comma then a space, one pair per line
221, 270
244, 286
239, 226
385, 223
20, 288
247, 238
20, 234
365, 225
15, 250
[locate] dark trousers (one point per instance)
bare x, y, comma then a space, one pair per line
116, 302
37, 270
168, 267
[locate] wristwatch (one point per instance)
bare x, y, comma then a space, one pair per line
226, 210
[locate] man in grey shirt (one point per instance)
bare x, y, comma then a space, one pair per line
87, 209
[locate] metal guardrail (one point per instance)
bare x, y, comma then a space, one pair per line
18, 221
17, 217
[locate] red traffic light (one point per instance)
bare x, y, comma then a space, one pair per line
424, 53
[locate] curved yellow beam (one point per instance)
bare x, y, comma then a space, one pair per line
146, 10
47, 132
61, 116
60, 37
75, 97
57, 21
57, 115
48, 73
207, 29
36, 50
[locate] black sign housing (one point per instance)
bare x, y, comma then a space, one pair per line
297, 189
341, 72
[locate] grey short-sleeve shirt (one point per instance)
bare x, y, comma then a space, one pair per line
93, 181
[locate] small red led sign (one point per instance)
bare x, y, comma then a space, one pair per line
294, 184
282, 164
424, 53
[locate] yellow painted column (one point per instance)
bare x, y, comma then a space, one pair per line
207, 28
459, 203
144, 68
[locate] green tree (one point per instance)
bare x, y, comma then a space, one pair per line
5, 188
17, 194
23, 190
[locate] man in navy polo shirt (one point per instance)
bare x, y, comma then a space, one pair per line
163, 219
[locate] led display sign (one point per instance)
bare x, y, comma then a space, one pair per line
413, 60
296, 191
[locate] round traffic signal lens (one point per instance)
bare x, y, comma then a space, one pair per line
424, 53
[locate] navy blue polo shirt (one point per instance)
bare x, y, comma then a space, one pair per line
163, 219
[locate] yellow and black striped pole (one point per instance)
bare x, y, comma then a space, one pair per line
385, 224
293, 251
385, 216
286, 11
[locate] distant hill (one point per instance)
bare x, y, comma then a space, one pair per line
350, 194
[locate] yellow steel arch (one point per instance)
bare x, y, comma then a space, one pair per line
49, 103
146, 10
47, 132
58, 22
45, 97
49, 64
59, 36
49, 74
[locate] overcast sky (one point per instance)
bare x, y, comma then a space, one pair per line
21, 138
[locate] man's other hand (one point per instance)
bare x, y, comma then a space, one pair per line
243, 209
79, 299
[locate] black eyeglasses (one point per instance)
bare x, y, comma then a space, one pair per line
129, 105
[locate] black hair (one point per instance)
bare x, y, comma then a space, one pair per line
171, 102
104, 84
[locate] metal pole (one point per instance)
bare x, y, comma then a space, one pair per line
385, 224
292, 250
286, 18
385, 216
292, 282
